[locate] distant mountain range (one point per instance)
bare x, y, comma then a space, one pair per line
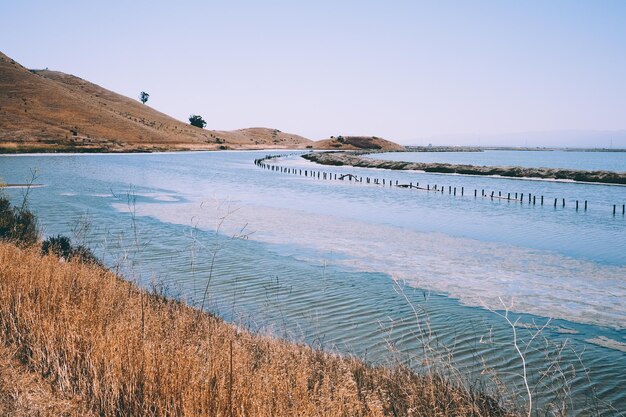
606, 139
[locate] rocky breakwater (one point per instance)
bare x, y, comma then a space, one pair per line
357, 160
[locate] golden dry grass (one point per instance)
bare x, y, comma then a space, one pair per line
51, 111
24, 393
122, 351
357, 143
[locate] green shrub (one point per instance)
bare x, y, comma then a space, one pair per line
17, 224
62, 247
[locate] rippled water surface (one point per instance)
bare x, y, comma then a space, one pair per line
604, 161
388, 273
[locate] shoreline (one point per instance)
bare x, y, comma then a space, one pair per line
510, 172
160, 152
104, 151
203, 363
35, 150
460, 149
20, 186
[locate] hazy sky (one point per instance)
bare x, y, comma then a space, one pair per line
401, 70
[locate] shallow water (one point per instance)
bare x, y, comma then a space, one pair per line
347, 266
603, 161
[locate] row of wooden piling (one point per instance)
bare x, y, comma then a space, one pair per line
515, 197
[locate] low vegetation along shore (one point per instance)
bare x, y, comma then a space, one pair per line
78, 340
357, 160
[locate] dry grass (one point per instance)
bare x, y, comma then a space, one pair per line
357, 143
127, 352
49, 111
24, 393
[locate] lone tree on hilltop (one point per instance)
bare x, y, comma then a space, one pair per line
197, 121
143, 97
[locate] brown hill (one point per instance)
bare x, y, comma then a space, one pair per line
43, 110
358, 143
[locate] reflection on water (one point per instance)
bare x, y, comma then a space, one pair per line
478, 273
328, 262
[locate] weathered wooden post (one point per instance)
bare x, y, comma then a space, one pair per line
576, 205
534, 199
614, 209
555, 202
542, 200
492, 195
428, 187
462, 190
499, 193
585, 205
475, 192
508, 196
521, 198
528, 198
563, 202
454, 190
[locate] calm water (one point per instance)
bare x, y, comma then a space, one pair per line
607, 161
389, 274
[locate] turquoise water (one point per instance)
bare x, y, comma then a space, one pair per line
604, 161
382, 272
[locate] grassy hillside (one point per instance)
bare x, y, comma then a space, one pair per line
44, 110
103, 345
355, 143
50, 111
76, 339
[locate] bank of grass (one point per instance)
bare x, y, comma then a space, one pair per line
76, 340
127, 352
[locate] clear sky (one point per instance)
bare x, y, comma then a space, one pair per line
463, 71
